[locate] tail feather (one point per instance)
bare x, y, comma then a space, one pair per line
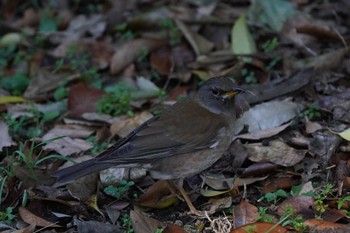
76, 171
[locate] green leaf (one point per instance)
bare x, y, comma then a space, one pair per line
15, 84
242, 41
271, 14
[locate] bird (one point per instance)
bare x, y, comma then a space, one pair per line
182, 141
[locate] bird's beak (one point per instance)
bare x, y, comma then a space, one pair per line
233, 92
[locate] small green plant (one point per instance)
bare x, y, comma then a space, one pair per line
80, 61
173, 32
290, 218
143, 53
273, 197
30, 125
264, 216
342, 202
7, 215
249, 76
97, 147
312, 111
94, 8
126, 224
270, 45
60, 93
159, 230
31, 158
320, 200
7, 54
117, 192
116, 101
49, 22
126, 34
16, 84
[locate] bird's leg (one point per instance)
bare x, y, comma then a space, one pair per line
185, 197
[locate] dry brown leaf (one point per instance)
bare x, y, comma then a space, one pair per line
44, 81
172, 228
199, 43
130, 51
298, 203
143, 224
263, 133
66, 145
310, 126
31, 218
161, 61
245, 213
82, 99
122, 127
318, 225
276, 152
260, 227
158, 196
28, 229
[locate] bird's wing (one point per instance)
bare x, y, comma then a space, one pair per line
166, 135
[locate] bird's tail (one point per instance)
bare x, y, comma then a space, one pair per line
76, 171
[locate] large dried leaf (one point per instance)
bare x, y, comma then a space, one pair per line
96, 226
199, 44
130, 51
31, 218
143, 224
260, 227
245, 213
66, 145
158, 196
319, 225
301, 204
267, 116
276, 152
44, 81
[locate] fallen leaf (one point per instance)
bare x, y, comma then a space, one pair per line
267, 116
158, 196
143, 224
260, 227
318, 225
310, 126
130, 51
263, 133
172, 228
31, 218
242, 41
345, 134
92, 226
5, 138
122, 127
299, 204
83, 99
276, 152
245, 213
11, 99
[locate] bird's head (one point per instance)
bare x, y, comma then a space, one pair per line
217, 95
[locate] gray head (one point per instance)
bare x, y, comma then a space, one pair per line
217, 95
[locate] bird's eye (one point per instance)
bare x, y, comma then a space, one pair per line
215, 91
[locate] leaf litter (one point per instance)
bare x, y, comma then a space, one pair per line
57, 64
